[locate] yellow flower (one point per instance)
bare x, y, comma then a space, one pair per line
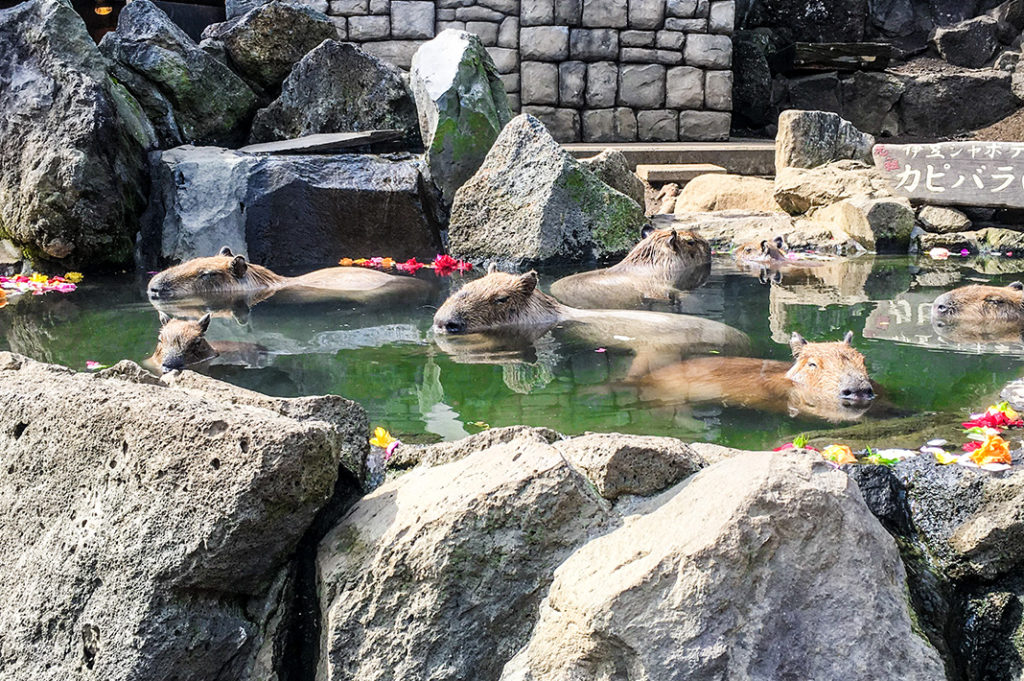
944, 458
74, 277
38, 278
381, 438
841, 454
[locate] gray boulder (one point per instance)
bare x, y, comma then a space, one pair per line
288, 211
882, 225
740, 572
265, 43
613, 169
969, 43
530, 202
752, 87
871, 101
461, 104
797, 190
72, 142
338, 87
942, 219
208, 102
946, 90
808, 139
154, 521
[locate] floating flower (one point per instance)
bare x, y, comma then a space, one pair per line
1000, 416
39, 278
840, 454
444, 265
480, 424
938, 253
386, 263
93, 365
345, 262
411, 266
601, 350
383, 439
74, 277
994, 450
3, 298
945, 459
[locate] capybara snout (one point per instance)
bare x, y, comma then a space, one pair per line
831, 369
182, 343
498, 300
981, 304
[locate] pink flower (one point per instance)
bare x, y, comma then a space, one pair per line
444, 265
410, 266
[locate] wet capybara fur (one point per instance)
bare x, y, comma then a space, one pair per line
980, 305
221, 274
825, 380
182, 344
764, 251
498, 300
665, 264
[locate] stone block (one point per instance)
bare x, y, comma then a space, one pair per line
569, 12
722, 16
642, 86
602, 84
563, 124
397, 52
363, 28
539, 83
593, 44
670, 40
477, 13
544, 43
637, 38
445, 15
646, 13
605, 14
686, 25
703, 9
710, 51
452, 4
412, 19
718, 90
341, 25
346, 8
609, 125
509, 7
643, 55
513, 103
445, 25
487, 31
658, 126
572, 83
684, 86
537, 12
510, 81
380, 6
508, 33
704, 126
683, 9
505, 60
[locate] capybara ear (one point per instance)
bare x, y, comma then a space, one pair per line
646, 230
225, 251
796, 343
673, 241
239, 266
764, 247
848, 338
164, 318
527, 282
1016, 286
204, 322
778, 242
492, 268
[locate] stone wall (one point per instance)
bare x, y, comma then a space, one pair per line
592, 70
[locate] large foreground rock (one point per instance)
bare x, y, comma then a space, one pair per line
797, 190
209, 104
808, 139
338, 87
461, 104
727, 192
530, 202
742, 572
72, 142
153, 522
288, 211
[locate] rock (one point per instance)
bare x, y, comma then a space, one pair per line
942, 220
798, 190
987, 240
727, 192
808, 139
946, 91
726, 229
881, 225
752, 89
206, 197
462, 106
970, 43
752, 555
208, 102
161, 518
704, 125
266, 42
870, 101
817, 92
530, 202
611, 167
630, 464
338, 87
72, 142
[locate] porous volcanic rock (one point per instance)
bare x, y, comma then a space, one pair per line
613, 169
808, 139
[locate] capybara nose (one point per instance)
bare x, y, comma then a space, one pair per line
859, 393
455, 326
156, 290
941, 304
173, 364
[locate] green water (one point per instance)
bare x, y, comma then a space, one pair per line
386, 360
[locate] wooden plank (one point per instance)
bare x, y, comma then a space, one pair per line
675, 172
324, 143
987, 174
833, 57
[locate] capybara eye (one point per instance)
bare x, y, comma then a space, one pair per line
501, 300
812, 365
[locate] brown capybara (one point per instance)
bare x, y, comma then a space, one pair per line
825, 380
183, 345
981, 305
501, 304
764, 251
226, 276
660, 268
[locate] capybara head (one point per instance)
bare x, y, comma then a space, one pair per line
766, 250
220, 274
182, 343
668, 247
981, 304
496, 301
830, 370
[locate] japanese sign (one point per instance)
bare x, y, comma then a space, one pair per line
956, 173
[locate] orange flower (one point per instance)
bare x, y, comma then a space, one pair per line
387, 263
995, 450
841, 454
3, 297
345, 262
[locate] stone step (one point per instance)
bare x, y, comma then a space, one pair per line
680, 173
739, 156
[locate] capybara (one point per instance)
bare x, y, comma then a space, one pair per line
981, 305
763, 251
226, 277
659, 269
501, 304
183, 345
825, 380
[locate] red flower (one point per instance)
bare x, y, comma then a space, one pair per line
410, 266
971, 445
992, 420
444, 265
464, 266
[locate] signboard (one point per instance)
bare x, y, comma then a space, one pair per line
955, 173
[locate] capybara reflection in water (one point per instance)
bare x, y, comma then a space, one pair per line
227, 276
659, 269
183, 345
764, 251
825, 380
981, 305
501, 304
